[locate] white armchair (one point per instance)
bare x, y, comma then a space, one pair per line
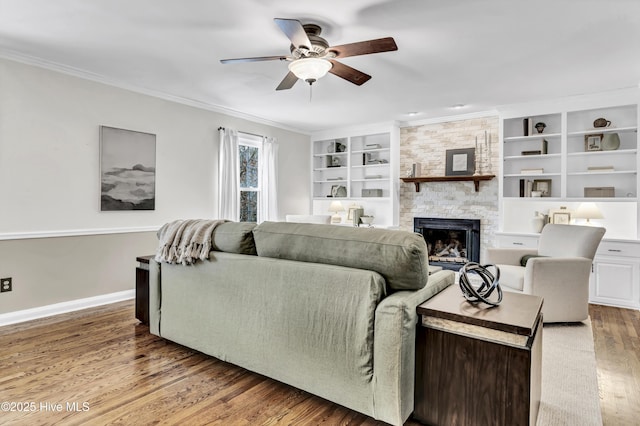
560, 275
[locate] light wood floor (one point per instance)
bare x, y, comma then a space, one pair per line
100, 366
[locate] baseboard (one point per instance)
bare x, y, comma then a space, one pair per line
64, 307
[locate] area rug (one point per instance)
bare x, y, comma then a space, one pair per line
569, 378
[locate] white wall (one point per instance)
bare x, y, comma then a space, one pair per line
49, 153
49, 168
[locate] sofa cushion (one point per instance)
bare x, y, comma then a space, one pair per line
399, 256
234, 237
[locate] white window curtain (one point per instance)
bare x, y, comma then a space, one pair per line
269, 180
229, 176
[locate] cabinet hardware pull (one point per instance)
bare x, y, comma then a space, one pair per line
615, 250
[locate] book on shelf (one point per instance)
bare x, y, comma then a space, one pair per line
600, 169
527, 126
532, 152
545, 146
526, 186
372, 146
373, 177
532, 171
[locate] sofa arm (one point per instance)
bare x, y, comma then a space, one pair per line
508, 256
563, 283
394, 348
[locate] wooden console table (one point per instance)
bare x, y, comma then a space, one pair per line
477, 365
475, 179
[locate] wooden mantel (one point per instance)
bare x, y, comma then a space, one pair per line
476, 180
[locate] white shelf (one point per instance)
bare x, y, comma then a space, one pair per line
371, 180
534, 137
596, 130
512, 175
599, 153
363, 151
330, 154
531, 157
603, 172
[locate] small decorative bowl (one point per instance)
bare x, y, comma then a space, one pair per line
367, 220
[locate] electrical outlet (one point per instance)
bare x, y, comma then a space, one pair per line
5, 285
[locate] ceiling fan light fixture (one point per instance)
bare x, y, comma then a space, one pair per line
310, 69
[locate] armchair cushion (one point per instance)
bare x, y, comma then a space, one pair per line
512, 276
508, 256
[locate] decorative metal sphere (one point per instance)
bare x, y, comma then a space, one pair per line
490, 283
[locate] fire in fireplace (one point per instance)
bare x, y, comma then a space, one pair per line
451, 242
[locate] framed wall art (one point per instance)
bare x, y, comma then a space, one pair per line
127, 170
593, 142
460, 162
338, 191
543, 186
560, 217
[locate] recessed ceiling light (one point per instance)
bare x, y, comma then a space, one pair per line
458, 106
412, 113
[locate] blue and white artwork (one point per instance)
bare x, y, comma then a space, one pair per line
127, 170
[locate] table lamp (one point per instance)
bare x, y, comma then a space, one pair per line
335, 208
588, 211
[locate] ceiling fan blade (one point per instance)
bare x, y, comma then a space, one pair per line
293, 29
348, 73
256, 59
288, 81
365, 47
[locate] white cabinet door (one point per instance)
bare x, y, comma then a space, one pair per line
517, 241
615, 281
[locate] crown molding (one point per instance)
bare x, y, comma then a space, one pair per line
448, 118
98, 78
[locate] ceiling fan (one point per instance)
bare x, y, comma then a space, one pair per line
312, 57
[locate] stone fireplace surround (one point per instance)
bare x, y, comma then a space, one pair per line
427, 144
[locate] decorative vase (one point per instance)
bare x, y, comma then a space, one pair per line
537, 223
540, 127
601, 122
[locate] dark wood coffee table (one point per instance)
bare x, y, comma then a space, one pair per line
477, 365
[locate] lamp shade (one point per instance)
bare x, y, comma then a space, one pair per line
588, 211
336, 206
310, 69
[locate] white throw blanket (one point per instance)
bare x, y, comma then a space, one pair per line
185, 241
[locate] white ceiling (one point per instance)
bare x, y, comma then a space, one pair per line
482, 53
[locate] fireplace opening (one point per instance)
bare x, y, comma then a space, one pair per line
451, 243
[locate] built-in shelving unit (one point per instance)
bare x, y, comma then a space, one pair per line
571, 159
358, 167
579, 162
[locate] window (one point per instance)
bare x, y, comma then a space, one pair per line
249, 153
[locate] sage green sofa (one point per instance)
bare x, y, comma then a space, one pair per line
325, 308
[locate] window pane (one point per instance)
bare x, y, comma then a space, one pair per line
248, 166
248, 206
